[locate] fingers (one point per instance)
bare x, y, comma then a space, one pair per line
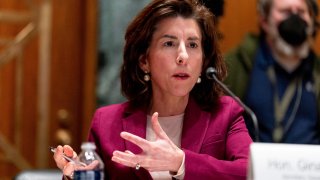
68, 169
137, 161
92, 165
68, 151
57, 156
127, 151
126, 158
157, 127
151, 150
142, 143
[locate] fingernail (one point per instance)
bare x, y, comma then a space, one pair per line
121, 134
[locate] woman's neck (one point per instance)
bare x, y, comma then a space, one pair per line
168, 106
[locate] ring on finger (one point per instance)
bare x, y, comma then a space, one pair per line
71, 175
138, 166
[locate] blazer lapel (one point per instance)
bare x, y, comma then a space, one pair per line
135, 123
195, 126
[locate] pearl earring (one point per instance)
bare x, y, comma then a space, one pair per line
146, 77
199, 80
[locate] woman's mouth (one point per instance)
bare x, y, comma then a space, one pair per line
181, 76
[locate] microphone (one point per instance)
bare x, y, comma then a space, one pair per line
211, 74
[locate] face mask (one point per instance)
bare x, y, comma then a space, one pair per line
293, 30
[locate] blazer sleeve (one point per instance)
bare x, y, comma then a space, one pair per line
233, 145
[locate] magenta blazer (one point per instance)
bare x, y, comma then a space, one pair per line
216, 144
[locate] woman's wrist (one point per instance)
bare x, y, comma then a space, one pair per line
179, 174
178, 159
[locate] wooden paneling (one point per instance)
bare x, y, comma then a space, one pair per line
54, 71
238, 19
17, 93
90, 46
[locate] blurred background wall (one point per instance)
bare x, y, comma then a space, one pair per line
59, 61
48, 63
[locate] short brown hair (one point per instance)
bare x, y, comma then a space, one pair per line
138, 38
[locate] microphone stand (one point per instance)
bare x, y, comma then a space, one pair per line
211, 75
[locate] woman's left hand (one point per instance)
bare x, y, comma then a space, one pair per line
159, 155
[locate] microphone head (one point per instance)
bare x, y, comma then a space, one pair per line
211, 71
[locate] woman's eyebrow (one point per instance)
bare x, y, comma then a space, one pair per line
169, 36
193, 38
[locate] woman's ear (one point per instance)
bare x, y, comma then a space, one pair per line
143, 63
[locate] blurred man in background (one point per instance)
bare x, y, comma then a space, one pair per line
277, 73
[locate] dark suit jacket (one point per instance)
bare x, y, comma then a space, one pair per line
216, 144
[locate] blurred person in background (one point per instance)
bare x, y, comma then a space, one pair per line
277, 73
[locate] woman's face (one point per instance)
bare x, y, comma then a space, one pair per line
174, 58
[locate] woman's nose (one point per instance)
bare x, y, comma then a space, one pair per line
182, 54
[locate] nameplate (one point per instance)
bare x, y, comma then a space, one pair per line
270, 161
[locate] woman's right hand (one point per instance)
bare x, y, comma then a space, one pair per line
66, 167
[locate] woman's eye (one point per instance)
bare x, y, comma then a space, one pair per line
193, 45
168, 43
